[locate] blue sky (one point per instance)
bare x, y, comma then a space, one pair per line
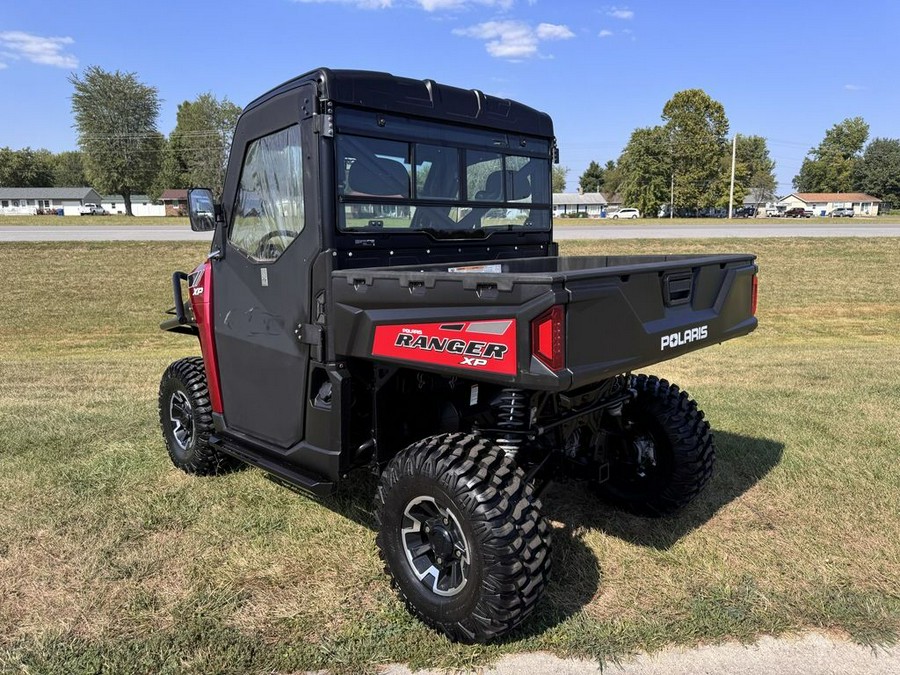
786, 70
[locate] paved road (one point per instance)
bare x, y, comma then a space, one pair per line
101, 233
725, 231
564, 232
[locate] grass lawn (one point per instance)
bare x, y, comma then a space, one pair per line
110, 559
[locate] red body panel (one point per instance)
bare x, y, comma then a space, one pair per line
202, 304
468, 345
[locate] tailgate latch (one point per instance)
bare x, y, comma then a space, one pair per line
678, 288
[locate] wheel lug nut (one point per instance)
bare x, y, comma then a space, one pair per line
459, 554
427, 528
440, 561
446, 521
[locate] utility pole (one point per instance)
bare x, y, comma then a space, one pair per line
672, 199
731, 194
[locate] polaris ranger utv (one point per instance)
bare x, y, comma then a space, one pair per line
383, 292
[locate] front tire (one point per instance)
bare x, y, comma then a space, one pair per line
666, 452
462, 536
185, 416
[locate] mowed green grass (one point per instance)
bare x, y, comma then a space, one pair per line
110, 559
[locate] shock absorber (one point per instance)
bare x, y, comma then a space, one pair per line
511, 409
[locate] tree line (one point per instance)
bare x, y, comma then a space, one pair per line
686, 161
843, 162
121, 150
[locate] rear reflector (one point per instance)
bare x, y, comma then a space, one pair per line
548, 338
753, 296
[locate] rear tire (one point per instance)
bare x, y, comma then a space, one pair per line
668, 452
462, 536
185, 416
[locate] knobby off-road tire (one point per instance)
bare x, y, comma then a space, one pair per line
481, 514
678, 451
185, 416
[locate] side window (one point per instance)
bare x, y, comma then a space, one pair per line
268, 209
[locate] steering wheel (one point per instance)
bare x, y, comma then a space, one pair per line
267, 237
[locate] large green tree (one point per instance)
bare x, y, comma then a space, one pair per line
612, 179
558, 178
696, 135
645, 170
68, 170
26, 168
754, 169
201, 141
877, 172
592, 178
116, 117
829, 167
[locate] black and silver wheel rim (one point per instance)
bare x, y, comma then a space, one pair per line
435, 546
182, 418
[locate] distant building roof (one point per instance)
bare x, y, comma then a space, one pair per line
174, 196
120, 198
570, 198
833, 197
757, 196
45, 193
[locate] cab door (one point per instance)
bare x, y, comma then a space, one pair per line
262, 281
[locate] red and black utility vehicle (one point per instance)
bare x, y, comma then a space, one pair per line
383, 292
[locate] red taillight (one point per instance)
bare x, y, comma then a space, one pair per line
753, 296
548, 338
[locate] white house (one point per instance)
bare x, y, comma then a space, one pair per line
823, 203
29, 201
567, 203
141, 205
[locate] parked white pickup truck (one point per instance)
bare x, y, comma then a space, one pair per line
92, 210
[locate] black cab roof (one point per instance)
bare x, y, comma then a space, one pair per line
422, 98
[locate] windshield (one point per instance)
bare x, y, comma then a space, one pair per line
445, 190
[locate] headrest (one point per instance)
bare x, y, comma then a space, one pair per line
378, 176
517, 186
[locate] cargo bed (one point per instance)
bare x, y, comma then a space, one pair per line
477, 320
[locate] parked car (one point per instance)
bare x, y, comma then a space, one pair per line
745, 212
842, 212
92, 210
773, 212
627, 213
797, 212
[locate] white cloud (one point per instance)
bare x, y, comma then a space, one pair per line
620, 13
605, 33
514, 40
46, 51
3, 65
854, 87
552, 31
